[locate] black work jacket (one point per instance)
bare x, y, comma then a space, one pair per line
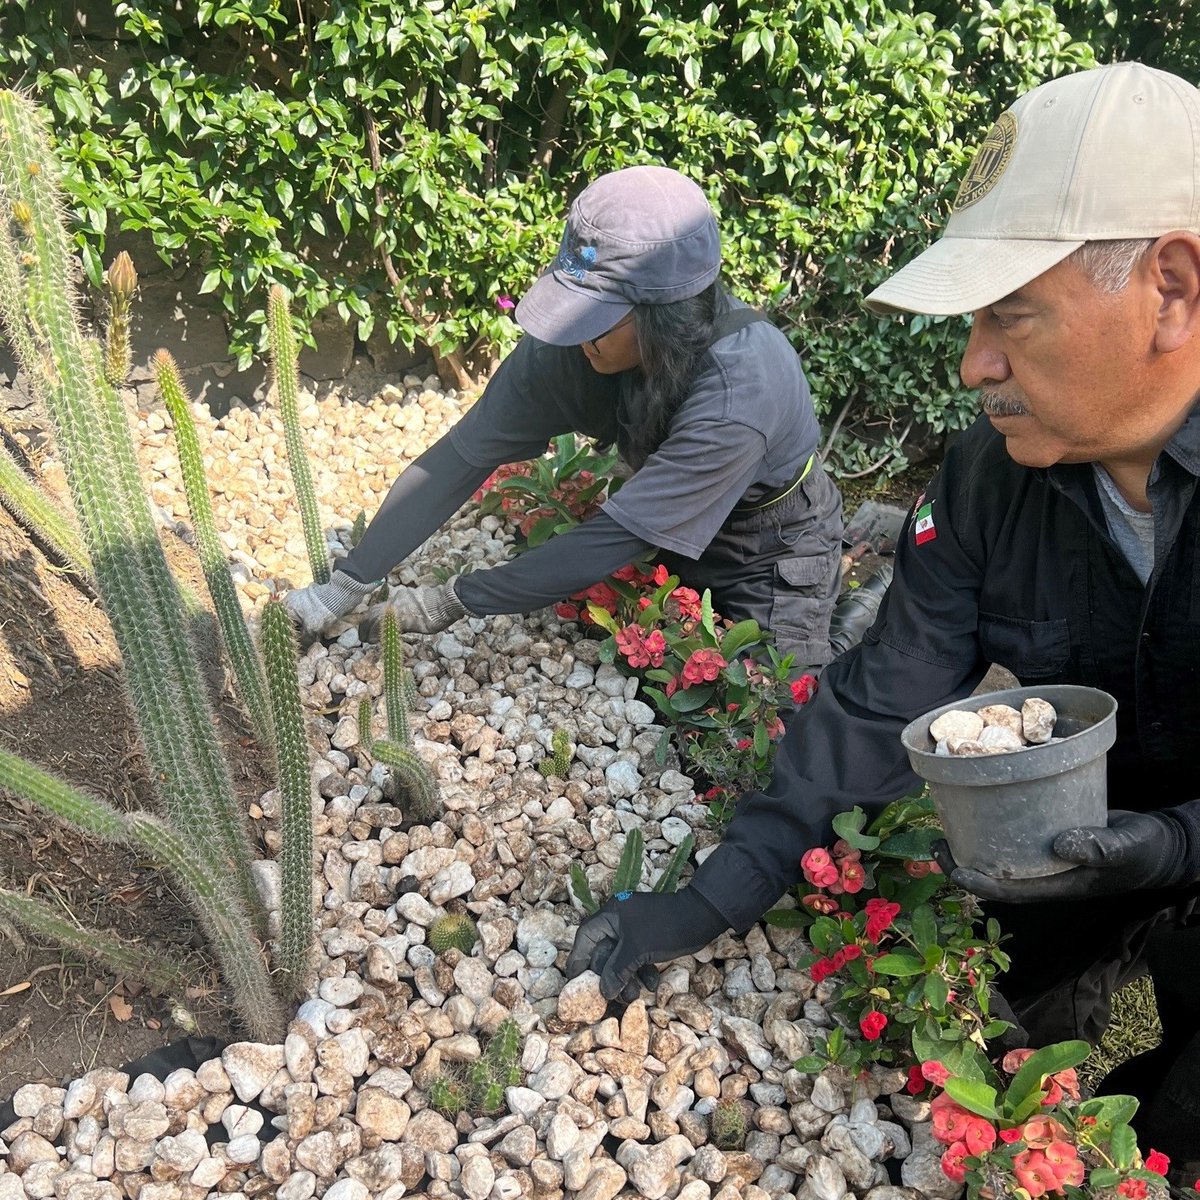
1021, 572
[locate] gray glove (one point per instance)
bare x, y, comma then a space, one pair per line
417, 609
315, 608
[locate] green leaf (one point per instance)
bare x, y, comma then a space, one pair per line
1027, 1083
974, 1096
786, 918
848, 826
937, 991
924, 928
737, 636
810, 1064
1104, 1177
688, 700
1123, 1146
901, 965
603, 618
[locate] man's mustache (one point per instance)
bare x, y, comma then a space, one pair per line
996, 405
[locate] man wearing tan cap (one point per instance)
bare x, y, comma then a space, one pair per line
1061, 539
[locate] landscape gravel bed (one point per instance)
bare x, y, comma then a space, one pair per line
612, 1101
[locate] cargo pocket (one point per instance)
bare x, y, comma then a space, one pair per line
1029, 649
804, 593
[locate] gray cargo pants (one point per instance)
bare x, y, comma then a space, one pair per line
779, 565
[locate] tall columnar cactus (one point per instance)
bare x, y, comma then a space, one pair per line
140, 596
292, 753
120, 285
234, 633
41, 516
393, 681
629, 866
366, 735
285, 374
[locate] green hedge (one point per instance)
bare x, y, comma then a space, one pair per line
239, 135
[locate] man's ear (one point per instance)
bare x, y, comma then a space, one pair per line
1174, 264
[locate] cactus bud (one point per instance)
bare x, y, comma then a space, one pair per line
122, 278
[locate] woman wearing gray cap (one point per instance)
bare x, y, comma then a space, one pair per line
631, 340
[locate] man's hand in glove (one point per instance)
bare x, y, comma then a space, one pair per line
1135, 851
417, 609
315, 608
627, 936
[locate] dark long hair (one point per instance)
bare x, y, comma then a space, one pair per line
672, 339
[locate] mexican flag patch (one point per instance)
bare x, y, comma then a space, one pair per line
923, 530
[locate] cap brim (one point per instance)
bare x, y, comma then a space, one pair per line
959, 275
564, 316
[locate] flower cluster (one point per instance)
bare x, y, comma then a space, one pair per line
718, 684
550, 494
895, 948
1021, 1129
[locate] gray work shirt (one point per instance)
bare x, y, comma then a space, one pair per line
746, 427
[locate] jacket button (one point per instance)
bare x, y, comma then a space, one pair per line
1156, 727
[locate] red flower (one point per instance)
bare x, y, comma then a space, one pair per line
935, 1072
821, 969
852, 951
601, 594
660, 576
818, 867
1064, 1162
1008, 1136
568, 612
688, 601
803, 689
1034, 1173
916, 1082
1135, 1189
703, 666
916, 868
880, 915
820, 904
672, 685
853, 876
872, 1025
1157, 1162
954, 1166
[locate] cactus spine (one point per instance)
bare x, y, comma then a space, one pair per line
448, 1096
455, 930
285, 375
41, 516
393, 681
118, 956
727, 1124
234, 633
292, 753
120, 285
141, 598
358, 528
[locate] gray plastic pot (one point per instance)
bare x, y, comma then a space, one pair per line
1001, 812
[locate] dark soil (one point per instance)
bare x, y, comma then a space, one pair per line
63, 706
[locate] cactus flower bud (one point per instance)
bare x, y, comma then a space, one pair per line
122, 278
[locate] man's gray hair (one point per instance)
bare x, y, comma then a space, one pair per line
1109, 264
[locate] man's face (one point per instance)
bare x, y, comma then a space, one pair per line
1062, 368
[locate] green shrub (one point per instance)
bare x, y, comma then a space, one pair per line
410, 164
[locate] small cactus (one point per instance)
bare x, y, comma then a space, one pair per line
629, 867
392, 653
449, 1096
582, 890
727, 1125
558, 762
366, 736
358, 528
424, 801
498, 1069
455, 930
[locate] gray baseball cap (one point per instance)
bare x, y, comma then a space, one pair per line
641, 235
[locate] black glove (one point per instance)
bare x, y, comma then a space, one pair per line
1135, 851
644, 928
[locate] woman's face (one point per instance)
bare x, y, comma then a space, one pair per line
614, 351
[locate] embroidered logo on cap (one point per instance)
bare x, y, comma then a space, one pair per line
989, 162
576, 261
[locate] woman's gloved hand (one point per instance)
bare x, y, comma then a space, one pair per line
417, 609
1134, 851
315, 608
628, 935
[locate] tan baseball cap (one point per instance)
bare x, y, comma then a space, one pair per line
1100, 155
